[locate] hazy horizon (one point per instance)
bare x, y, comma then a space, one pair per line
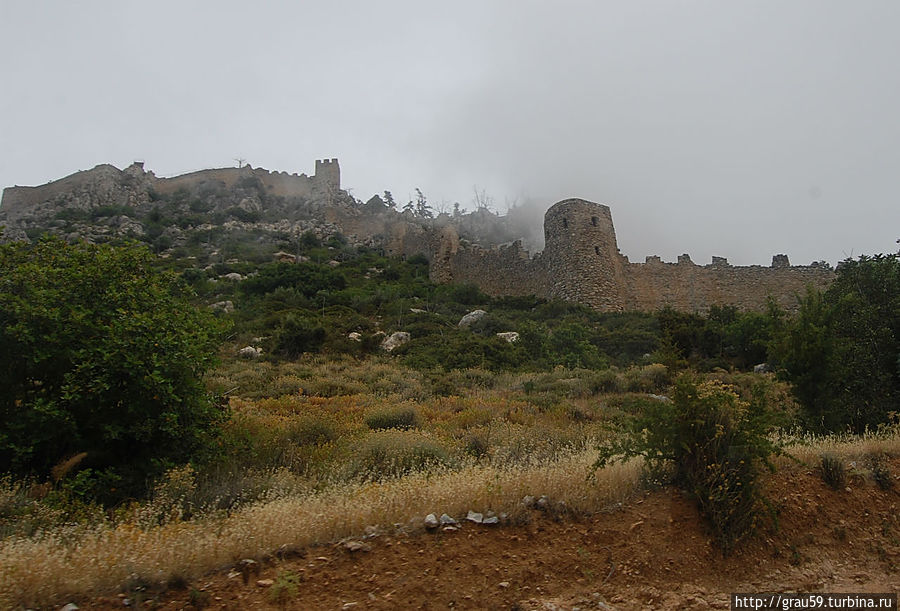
739, 130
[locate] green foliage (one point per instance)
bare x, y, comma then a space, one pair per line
393, 418
306, 278
724, 338
102, 354
841, 350
713, 442
297, 335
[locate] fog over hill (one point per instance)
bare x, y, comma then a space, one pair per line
738, 130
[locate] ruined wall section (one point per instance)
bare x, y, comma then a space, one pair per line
688, 287
280, 184
501, 270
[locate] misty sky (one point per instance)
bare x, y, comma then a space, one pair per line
736, 129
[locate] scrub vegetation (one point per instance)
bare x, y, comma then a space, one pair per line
138, 441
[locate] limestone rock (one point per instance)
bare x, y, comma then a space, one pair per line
447, 520
471, 318
233, 277
357, 546
431, 521
474, 516
249, 352
395, 340
509, 336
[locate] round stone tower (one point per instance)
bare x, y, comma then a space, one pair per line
581, 257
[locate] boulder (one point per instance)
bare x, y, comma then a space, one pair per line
446, 520
394, 340
471, 318
509, 336
249, 352
474, 516
233, 276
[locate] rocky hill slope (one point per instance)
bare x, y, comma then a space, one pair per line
248, 212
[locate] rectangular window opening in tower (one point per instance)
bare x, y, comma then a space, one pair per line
594, 221
597, 249
565, 223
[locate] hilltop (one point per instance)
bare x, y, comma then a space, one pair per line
250, 212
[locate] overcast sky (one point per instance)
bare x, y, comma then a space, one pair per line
736, 129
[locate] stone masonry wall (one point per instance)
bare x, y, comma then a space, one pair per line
688, 287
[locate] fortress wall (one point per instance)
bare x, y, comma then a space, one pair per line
283, 184
276, 183
693, 288
225, 176
507, 270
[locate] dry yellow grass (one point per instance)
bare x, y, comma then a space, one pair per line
808, 450
49, 568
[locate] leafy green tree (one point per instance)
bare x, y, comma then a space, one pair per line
102, 354
840, 351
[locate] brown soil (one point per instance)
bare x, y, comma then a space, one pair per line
650, 554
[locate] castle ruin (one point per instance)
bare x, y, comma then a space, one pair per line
581, 262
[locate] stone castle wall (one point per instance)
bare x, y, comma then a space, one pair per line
100, 181
282, 184
581, 263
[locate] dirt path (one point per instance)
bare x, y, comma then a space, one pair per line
651, 554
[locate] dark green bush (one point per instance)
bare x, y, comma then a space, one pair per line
297, 335
103, 354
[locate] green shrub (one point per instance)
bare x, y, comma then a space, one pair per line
390, 454
103, 354
297, 335
834, 473
310, 430
714, 444
393, 418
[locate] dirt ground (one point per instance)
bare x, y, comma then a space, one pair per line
652, 553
